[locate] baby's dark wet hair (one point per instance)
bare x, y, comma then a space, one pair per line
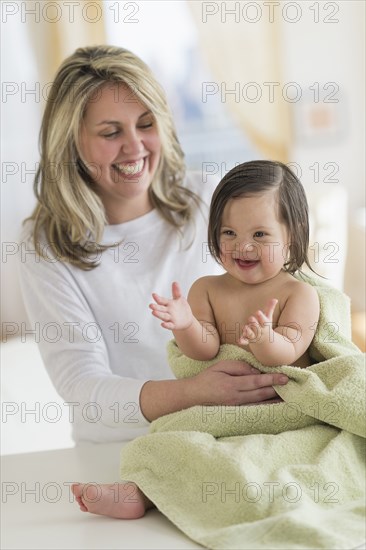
256, 177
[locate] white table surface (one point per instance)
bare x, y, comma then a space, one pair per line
42, 513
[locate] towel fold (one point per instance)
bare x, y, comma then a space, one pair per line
285, 475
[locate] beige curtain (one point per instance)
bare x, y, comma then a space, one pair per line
57, 28
245, 57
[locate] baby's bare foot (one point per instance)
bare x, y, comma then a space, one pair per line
115, 500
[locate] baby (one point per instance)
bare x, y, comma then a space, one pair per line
259, 232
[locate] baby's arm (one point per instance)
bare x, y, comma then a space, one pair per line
294, 332
196, 339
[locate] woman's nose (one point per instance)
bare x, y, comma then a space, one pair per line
132, 143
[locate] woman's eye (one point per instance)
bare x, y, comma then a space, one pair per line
141, 126
259, 234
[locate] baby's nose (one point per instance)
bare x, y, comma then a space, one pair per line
249, 250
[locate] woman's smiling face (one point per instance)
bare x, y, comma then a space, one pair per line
120, 145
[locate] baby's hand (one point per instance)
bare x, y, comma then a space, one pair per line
253, 329
175, 313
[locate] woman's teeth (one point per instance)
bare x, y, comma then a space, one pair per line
130, 168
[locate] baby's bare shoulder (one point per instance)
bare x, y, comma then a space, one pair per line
301, 289
206, 283
209, 280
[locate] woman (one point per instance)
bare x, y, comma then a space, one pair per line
117, 218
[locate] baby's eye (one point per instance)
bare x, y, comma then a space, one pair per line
229, 232
259, 234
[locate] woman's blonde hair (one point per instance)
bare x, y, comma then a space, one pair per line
69, 210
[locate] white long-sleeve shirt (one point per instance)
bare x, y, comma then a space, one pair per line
97, 336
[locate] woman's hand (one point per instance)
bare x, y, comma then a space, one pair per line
225, 383
235, 383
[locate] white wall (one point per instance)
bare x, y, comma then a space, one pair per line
332, 52
20, 122
326, 52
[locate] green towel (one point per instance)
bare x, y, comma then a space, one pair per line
288, 475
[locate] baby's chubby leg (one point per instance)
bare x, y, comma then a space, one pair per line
115, 500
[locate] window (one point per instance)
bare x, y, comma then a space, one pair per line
163, 34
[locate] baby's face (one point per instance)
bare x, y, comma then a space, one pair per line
253, 241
